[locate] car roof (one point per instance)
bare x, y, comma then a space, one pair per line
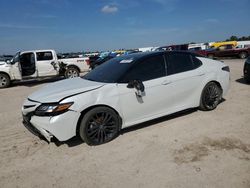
145, 54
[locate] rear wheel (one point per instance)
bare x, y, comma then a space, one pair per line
100, 125
4, 80
243, 55
210, 97
72, 72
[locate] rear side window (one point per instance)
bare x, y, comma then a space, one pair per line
196, 62
44, 56
179, 62
148, 69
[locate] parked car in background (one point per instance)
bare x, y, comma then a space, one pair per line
179, 47
246, 70
105, 56
227, 50
198, 46
38, 64
125, 91
218, 44
6, 58
243, 44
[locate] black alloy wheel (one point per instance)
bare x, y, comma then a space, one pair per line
100, 125
211, 97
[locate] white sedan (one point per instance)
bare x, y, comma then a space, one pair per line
125, 91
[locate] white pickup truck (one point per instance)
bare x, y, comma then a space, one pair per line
38, 64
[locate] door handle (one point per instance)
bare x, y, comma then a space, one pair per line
166, 82
201, 74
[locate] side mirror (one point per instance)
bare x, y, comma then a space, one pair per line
138, 85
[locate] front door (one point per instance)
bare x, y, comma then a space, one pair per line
28, 65
152, 102
16, 69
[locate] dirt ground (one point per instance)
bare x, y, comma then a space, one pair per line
190, 149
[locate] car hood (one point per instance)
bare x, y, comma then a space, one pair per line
2, 63
57, 91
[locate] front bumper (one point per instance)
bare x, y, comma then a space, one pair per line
63, 126
40, 133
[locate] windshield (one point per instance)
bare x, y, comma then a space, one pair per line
112, 70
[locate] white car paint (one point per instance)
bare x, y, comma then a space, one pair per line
43, 68
162, 96
203, 46
243, 44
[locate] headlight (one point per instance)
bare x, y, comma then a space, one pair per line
52, 109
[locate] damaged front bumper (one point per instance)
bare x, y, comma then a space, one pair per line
62, 127
35, 130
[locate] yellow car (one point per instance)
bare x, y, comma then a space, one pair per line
218, 44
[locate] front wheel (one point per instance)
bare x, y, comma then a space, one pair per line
72, 72
210, 97
99, 125
4, 80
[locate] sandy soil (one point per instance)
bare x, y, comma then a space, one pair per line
191, 149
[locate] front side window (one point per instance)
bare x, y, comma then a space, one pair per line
44, 56
147, 69
179, 62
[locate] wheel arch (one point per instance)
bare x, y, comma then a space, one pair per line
92, 107
74, 66
1, 72
218, 84
5, 73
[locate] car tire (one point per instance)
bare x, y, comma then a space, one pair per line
99, 125
72, 72
247, 80
4, 80
210, 56
243, 55
210, 97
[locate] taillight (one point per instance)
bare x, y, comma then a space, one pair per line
226, 68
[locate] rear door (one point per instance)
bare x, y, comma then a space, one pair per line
184, 77
44, 63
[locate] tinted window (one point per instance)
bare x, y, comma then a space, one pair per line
112, 70
179, 62
44, 56
196, 62
229, 47
148, 69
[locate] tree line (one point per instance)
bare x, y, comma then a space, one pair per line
235, 38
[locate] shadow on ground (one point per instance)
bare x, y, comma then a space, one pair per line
32, 83
242, 81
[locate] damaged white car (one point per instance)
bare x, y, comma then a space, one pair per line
125, 91
38, 64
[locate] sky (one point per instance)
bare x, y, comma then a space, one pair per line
91, 25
